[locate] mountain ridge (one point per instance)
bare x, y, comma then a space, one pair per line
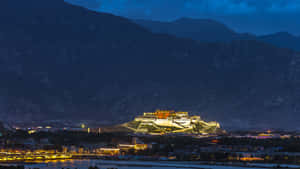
75, 63
207, 30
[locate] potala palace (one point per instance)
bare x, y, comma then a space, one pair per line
168, 121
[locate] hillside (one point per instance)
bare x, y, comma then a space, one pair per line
64, 61
212, 31
282, 39
197, 29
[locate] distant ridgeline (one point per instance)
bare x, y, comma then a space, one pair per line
166, 121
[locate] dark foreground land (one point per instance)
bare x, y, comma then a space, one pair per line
236, 147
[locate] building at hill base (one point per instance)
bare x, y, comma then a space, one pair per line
169, 121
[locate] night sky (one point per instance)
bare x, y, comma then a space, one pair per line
254, 16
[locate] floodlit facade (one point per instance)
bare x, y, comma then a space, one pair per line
169, 121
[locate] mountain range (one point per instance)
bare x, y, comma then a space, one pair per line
206, 30
59, 61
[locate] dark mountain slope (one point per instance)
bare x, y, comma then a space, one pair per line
63, 61
282, 39
202, 30
212, 31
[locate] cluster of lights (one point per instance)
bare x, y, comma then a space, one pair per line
31, 156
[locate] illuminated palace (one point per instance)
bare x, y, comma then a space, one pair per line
169, 121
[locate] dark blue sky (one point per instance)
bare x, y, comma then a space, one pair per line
255, 16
